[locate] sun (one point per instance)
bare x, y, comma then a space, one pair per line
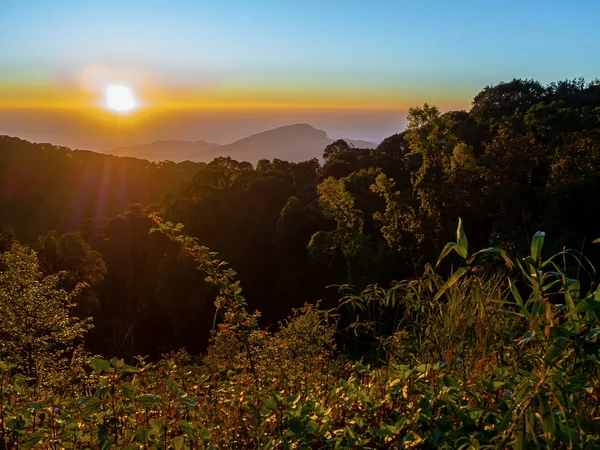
119, 98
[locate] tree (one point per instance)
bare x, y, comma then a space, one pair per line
398, 219
394, 145
37, 330
7, 237
430, 136
495, 102
230, 172
335, 148
71, 254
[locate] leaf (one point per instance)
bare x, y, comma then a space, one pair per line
130, 369
313, 426
128, 390
460, 247
451, 281
424, 368
497, 385
295, 425
360, 366
351, 434
573, 290
92, 405
270, 404
178, 442
515, 292
521, 432
585, 305
528, 336
157, 425
205, 435
6, 366
147, 401
493, 250
553, 352
536, 245
32, 440
461, 239
447, 249
142, 435
450, 382
187, 429
100, 365
567, 435
187, 401
172, 386
118, 363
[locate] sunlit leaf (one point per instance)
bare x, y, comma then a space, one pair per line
91, 406
100, 365
454, 278
536, 245
187, 429
461, 240
148, 401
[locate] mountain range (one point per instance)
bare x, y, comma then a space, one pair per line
294, 143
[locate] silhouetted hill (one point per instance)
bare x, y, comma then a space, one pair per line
44, 187
294, 143
171, 150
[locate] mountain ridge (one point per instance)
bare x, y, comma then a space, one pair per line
295, 142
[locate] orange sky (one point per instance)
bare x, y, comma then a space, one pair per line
71, 110
85, 88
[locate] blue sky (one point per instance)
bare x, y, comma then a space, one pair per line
455, 43
358, 55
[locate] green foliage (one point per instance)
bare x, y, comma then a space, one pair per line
71, 254
39, 333
398, 219
338, 204
490, 362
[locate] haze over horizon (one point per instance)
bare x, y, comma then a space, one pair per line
221, 72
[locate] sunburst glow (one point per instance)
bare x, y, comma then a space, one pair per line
119, 98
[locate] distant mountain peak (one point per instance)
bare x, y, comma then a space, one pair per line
295, 142
303, 130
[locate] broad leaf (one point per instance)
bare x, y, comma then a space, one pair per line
100, 365
536, 245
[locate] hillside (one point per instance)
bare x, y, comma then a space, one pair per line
293, 143
171, 150
45, 187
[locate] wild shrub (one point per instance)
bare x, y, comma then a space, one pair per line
487, 357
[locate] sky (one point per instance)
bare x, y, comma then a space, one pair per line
219, 70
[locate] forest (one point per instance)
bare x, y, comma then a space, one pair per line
437, 291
